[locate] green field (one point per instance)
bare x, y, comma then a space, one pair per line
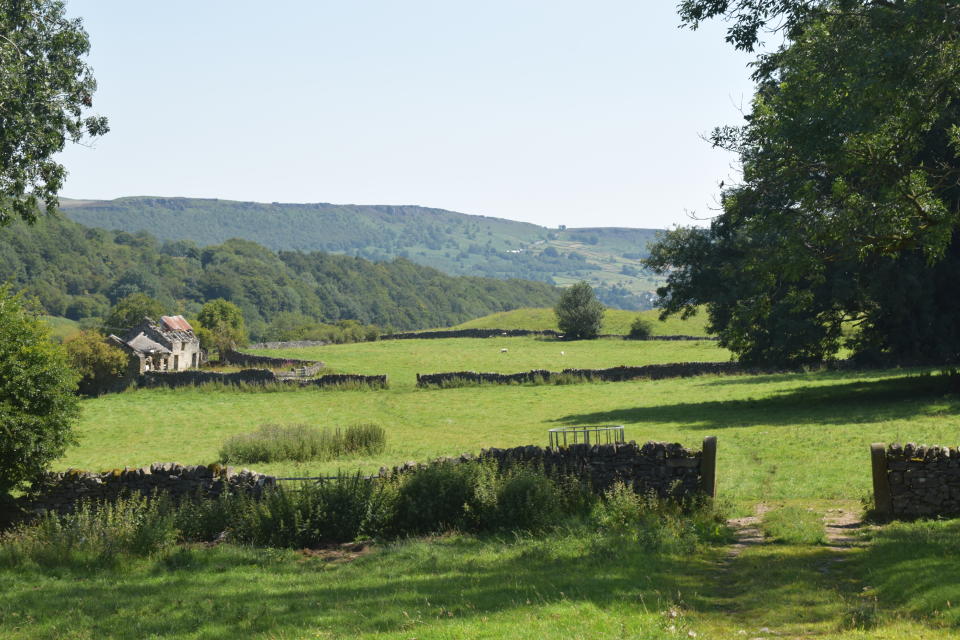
615, 321
798, 440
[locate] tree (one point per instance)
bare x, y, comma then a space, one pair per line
130, 311
98, 364
849, 205
45, 92
579, 313
221, 326
38, 405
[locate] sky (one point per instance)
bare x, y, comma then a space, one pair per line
557, 113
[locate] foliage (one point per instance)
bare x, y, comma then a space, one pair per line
615, 321
640, 329
130, 311
579, 313
301, 442
454, 243
94, 360
73, 271
94, 534
794, 525
528, 500
38, 407
289, 326
659, 524
849, 205
444, 496
46, 88
220, 325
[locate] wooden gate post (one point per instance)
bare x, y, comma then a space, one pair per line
708, 466
882, 500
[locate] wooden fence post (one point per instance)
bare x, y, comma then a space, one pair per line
708, 466
882, 500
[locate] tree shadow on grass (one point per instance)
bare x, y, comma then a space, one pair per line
235, 592
861, 401
838, 375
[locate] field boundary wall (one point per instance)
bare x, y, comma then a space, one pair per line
60, 491
249, 360
667, 469
915, 481
192, 377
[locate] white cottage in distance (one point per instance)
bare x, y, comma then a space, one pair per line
170, 345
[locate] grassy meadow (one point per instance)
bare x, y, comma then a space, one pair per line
796, 440
615, 321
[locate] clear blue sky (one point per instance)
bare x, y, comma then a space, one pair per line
576, 113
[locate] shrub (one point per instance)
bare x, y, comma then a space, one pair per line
37, 402
640, 329
300, 442
94, 534
99, 364
444, 496
664, 525
339, 510
527, 500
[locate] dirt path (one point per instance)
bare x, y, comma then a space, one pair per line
807, 582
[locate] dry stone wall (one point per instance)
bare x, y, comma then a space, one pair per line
61, 491
250, 360
290, 344
913, 481
666, 469
614, 374
193, 377
468, 333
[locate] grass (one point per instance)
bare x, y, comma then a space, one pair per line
61, 328
569, 584
794, 524
774, 430
798, 438
616, 321
402, 360
450, 587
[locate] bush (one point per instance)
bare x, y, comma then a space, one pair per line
300, 442
330, 511
527, 500
640, 329
100, 365
663, 525
579, 313
94, 534
444, 496
38, 405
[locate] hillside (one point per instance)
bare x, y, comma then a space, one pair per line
455, 243
78, 272
615, 321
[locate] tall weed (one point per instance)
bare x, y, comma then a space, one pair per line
95, 534
301, 442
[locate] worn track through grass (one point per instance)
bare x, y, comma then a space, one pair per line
808, 581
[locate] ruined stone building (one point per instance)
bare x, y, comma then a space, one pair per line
169, 345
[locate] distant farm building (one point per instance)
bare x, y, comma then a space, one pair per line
169, 345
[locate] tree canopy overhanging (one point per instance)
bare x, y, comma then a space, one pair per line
847, 212
46, 88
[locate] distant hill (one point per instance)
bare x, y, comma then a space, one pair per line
615, 321
455, 243
78, 272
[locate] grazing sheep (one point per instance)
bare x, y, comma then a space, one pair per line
563, 353
503, 350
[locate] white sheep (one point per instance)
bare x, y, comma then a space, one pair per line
563, 353
503, 350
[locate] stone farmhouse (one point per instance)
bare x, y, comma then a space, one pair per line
169, 345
